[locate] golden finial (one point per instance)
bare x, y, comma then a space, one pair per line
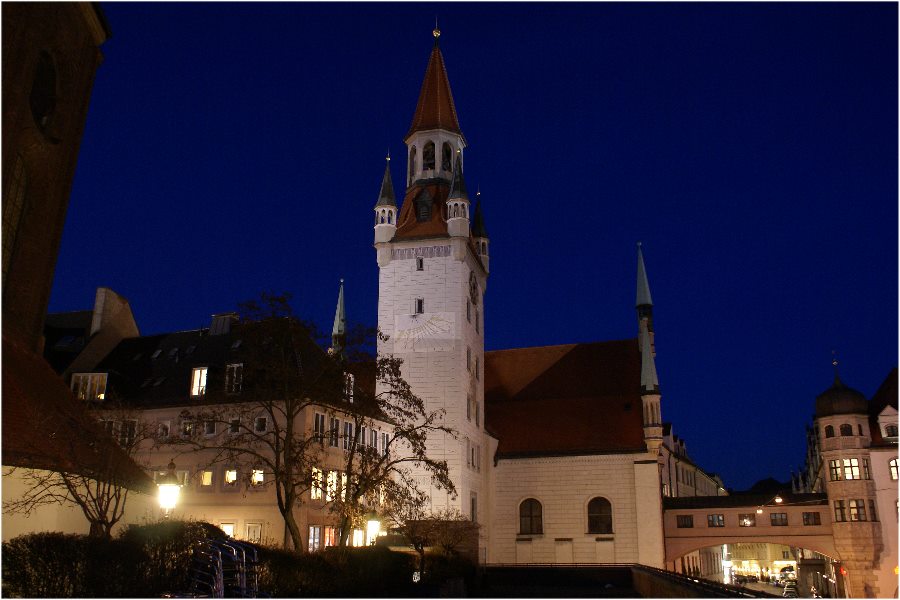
388, 157
437, 32
834, 360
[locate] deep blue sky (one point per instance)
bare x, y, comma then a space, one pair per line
752, 148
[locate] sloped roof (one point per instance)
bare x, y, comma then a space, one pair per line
435, 108
45, 427
570, 399
408, 227
885, 396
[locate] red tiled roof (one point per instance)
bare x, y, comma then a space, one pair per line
408, 227
44, 427
435, 109
571, 399
885, 396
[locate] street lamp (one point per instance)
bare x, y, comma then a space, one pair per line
777, 499
373, 529
169, 488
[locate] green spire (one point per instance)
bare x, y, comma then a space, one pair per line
649, 379
339, 331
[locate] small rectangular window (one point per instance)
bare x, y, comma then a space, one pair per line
715, 520
333, 433
468, 359
857, 510
198, 382
684, 521
851, 468
420, 263
419, 306
373, 439
477, 368
331, 486
128, 433
468, 310
315, 537
257, 477
206, 478
747, 520
156, 354
209, 428
231, 477
834, 470
473, 503
812, 518
319, 426
477, 321
317, 484
779, 519
162, 431
363, 436
187, 429
840, 511
348, 434
872, 516
89, 386
260, 424
254, 532
234, 426
469, 407
385, 440
228, 528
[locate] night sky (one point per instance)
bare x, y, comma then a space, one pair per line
752, 148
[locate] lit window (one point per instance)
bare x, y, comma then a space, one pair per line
747, 520
599, 516
228, 528
419, 306
684, 521
260, 424
779, 519
315, 490
715, 520
330, 536
851, 468
812, 518
198, 382
857, 510
834, 470
331, 483
359, 539
530, 517
234, 377
187, 429
257, 477
840, 511
846, 430
892, 464
89, 386
206, 478
315, 537
231, 477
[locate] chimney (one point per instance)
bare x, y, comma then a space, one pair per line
221, 323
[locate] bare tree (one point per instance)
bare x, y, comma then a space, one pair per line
380, 473
95, 475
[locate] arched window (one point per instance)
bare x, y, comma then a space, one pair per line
829, 431
412, 165
446, 158
390, 216
892, 464
428, 156
531, 520
846, 429
43, 91
599, 516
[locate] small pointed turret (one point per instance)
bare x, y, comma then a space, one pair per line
480, 234
644, 304
339, 330
386, 207
458, 203
458, 184
386, 195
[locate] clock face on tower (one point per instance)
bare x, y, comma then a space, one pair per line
473, 288
423, 332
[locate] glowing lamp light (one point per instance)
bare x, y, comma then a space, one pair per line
169, 489
896, 570
373, 528
843, 571
778, 500
759, 511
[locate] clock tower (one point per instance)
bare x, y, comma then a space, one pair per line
432, 278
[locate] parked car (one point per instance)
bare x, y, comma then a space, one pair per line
790, 590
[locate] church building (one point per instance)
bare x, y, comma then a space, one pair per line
561, 454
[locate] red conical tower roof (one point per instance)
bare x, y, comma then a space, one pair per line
435, 109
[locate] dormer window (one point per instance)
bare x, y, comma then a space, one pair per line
198, 382
89, 386
156, 354
423, 207
428, 157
